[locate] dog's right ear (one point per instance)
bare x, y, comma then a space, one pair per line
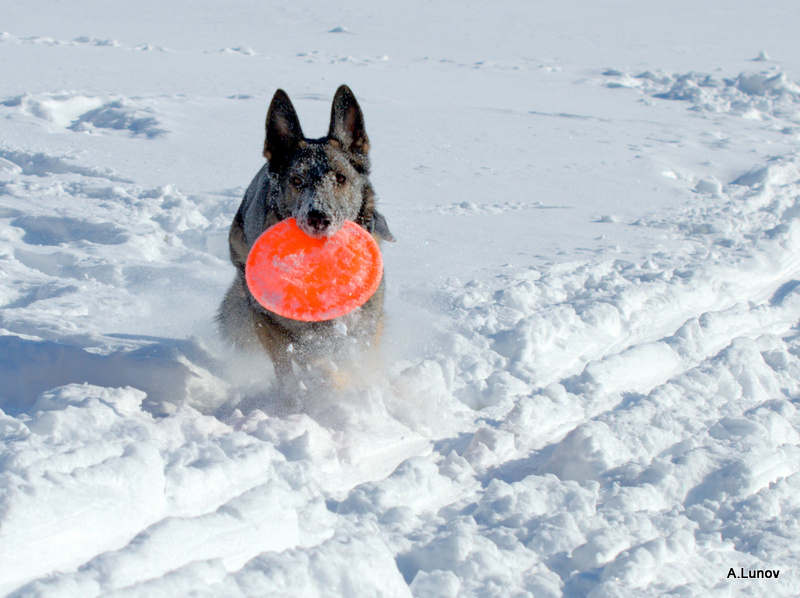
347, 123
283, 129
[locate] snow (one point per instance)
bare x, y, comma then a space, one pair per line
590, 373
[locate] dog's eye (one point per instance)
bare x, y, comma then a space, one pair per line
296, 181
340, 178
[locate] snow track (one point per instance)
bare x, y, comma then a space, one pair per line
591, 369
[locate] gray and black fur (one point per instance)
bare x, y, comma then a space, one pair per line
322, 183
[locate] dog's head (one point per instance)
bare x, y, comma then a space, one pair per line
320, 182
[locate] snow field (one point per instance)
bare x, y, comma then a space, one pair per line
590, 376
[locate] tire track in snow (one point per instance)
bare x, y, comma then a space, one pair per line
677, 411
606, 331
655, 443
549, 325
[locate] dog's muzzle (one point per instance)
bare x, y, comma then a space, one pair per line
319, 222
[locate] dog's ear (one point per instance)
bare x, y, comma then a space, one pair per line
283, 129
347, 122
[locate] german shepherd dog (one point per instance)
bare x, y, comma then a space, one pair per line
321, 183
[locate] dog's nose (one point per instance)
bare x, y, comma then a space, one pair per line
318, 220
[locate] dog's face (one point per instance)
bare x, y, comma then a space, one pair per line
321, 182
321, 189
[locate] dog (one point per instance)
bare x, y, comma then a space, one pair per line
321, 183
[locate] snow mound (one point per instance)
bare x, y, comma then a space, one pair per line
119, 115
78, 112
753, 95
82, 40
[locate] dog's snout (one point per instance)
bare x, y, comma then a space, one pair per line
318, 220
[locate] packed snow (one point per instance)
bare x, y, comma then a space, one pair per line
590, 375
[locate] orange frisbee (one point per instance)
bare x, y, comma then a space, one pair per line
312, 279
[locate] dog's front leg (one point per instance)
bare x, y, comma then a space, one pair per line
278, 346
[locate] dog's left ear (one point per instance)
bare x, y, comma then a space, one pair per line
283, 129
347, 122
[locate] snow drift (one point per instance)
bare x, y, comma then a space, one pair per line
591, 374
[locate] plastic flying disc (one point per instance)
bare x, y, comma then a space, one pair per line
312, 279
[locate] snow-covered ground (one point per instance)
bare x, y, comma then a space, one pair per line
590, 378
